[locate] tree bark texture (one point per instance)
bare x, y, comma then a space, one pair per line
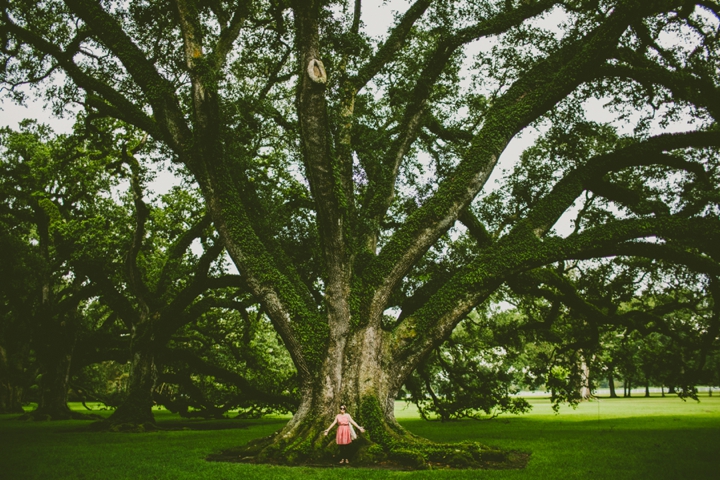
584, 392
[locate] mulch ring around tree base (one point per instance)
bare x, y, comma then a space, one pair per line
513, 460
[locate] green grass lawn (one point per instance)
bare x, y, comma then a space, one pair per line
632, 438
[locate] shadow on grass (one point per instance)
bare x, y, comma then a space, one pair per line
174, 425
204, 425
516, 461
168, 421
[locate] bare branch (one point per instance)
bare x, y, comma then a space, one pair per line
119, 304
142, 213
355, 28
176, 250
684, 85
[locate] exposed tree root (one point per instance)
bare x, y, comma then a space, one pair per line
385, 444
413, 454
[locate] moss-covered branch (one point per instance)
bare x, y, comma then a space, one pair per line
429, 325
648, 152
277, 286
100, 95
329, 174
671, 252
229, 33
160, 92
383, 177
392, 45
529, 97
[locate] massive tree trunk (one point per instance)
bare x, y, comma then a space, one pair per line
358, 381
54, 386
368, 388
54, 337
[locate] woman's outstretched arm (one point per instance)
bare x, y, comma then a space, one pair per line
331, 425
362, 429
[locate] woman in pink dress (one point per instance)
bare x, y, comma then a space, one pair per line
343, 437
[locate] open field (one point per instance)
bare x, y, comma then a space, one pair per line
631, 438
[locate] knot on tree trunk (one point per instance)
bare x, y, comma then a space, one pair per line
316, 71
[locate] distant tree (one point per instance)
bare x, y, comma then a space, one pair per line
649, 322
153, 282
227, 360
471, 375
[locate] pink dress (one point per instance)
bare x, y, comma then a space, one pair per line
343, 430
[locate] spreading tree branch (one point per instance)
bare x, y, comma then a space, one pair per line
177, 250
529, 97
100, 95
159, 92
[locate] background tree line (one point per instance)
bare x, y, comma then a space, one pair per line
91, 256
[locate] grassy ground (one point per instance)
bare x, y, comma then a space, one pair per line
615, 439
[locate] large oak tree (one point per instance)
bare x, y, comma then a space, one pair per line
335, 165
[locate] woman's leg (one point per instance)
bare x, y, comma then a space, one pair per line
344, 453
